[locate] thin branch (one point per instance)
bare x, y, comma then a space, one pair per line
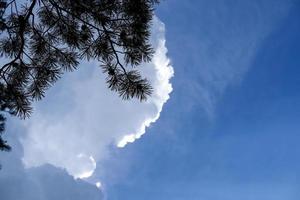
23, 22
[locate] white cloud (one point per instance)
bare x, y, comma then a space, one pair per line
75, 128
98, 184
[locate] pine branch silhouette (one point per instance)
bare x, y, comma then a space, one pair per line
43, 39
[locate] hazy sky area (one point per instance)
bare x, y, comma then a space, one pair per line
223, 123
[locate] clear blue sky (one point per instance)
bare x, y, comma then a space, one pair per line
249, 148
231, 129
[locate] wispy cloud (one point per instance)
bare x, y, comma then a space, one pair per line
228, 34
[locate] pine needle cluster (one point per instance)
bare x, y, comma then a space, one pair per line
42, 39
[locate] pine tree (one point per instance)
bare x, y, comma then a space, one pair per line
42, 39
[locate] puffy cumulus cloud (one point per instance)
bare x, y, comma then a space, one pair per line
41, 183
76, 126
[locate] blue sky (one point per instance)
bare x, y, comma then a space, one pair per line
249, 149
230, 129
